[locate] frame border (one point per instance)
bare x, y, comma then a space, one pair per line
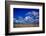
7, 17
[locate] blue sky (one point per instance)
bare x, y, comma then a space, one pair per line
26, 15
22, 11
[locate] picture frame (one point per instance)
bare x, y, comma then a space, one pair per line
37, 6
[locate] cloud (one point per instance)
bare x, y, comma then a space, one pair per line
32, 13
20, 20
28, 19
35, 13
29, 13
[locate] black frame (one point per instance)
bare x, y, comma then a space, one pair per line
7, 3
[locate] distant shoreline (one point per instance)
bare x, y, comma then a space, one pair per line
26, 25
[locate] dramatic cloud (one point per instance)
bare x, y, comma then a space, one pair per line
35, 13
28, 19
29, 13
